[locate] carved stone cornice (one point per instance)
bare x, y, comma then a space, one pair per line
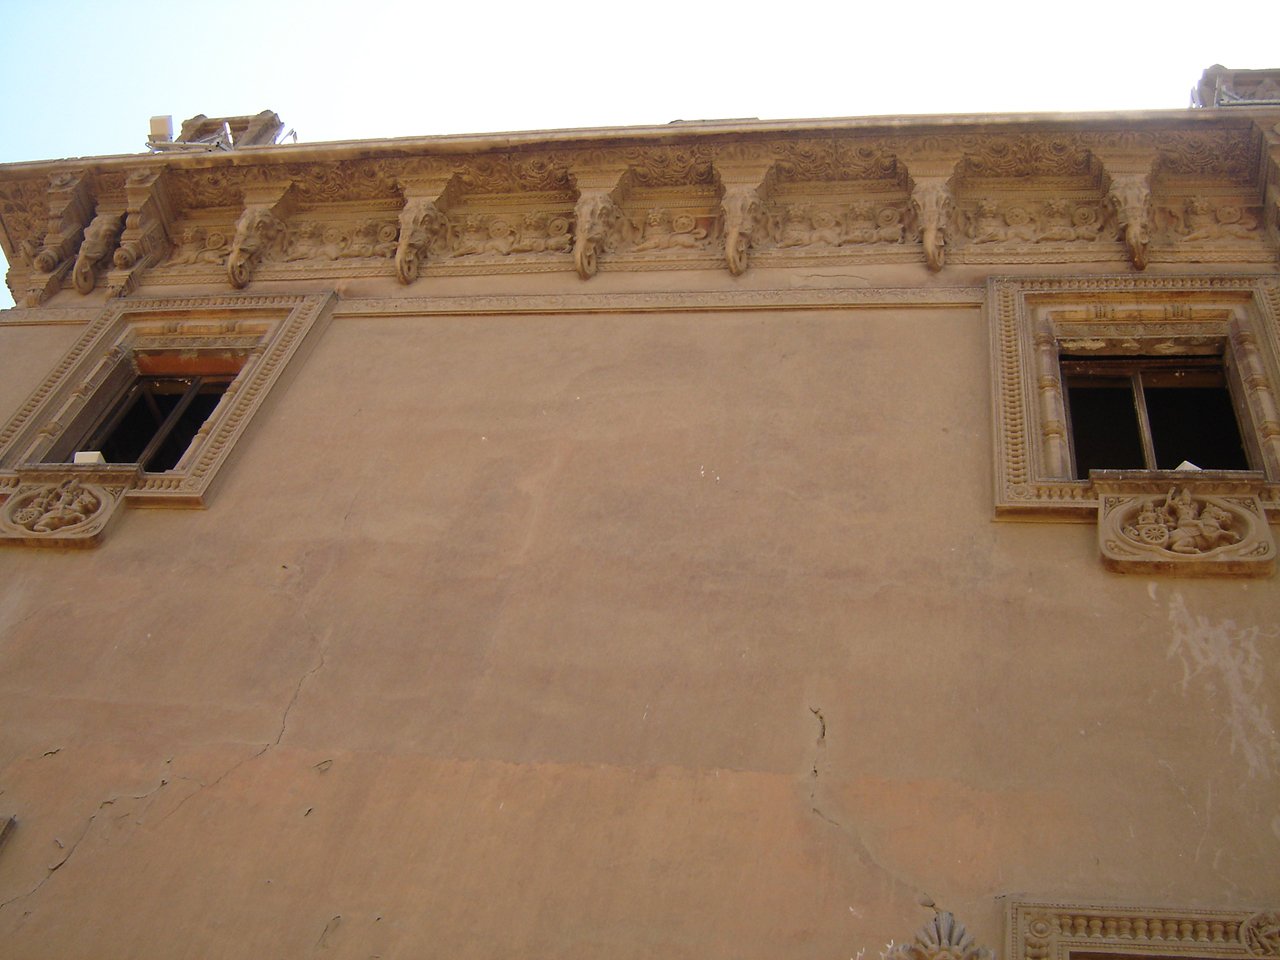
70, 207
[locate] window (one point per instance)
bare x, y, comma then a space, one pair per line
162, 390
1103, 387
1150, 413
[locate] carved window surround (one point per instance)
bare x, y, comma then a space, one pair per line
1032, 320
1063, 931
69, 504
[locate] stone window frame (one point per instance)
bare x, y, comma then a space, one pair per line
1030, 319
1054, 930
268, 331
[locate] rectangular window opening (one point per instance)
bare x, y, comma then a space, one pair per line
1151, 413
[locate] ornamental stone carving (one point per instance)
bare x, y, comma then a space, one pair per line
198, 244
98, 245
744, 225
145, 240
1130, 198
931, 204
597, 217
665, 230
422, 223
258, 232
68, 507
1260, 934
942, 938
1193, 529
1198, 220
70, 208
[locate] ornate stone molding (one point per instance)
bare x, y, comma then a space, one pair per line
423, 221
931, 204
70, 207
942, 938
1030, 320
1061, 931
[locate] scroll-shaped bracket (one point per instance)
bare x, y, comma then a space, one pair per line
1197, 524
597, 215
1129, 196
423, 221
260, 228
746, 192
70, 208
942, 938
66, 506
99, 243
147, 236
931, 205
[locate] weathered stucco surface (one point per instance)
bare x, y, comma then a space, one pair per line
615, 626
655, 634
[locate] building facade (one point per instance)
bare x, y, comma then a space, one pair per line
820, 539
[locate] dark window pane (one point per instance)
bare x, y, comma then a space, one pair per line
1104, 427
1196, 424
175, 445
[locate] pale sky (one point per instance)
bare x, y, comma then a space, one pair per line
83, 78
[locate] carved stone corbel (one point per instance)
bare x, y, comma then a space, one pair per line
932, 205
147, 236
70, 209
596, 214
423, 221
99, 243
1129, 196
260, 228
746, 191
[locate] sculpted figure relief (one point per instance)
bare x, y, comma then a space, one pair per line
868, 224
200, 245
54, 507
542, 233
1200, 220
664, 231
1182, 525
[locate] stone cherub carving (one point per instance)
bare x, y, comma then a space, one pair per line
1202, 221
664, 231
200, 245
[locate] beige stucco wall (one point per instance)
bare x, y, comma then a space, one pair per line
679, 634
